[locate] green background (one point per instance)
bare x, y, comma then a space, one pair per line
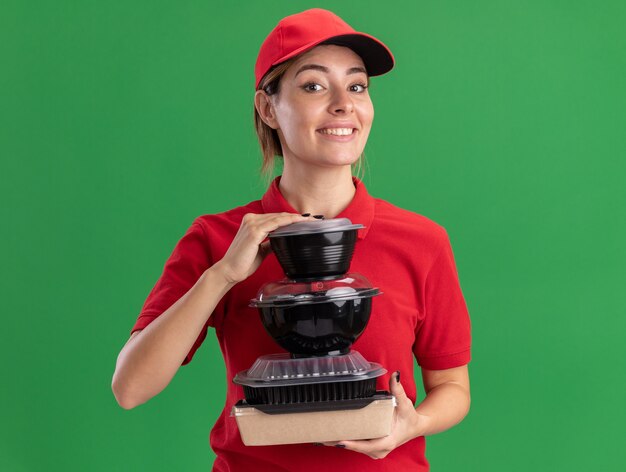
504, 121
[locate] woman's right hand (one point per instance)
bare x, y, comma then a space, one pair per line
249, 248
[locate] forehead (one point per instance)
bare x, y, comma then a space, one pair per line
328, 55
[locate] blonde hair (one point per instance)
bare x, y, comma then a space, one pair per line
268, 136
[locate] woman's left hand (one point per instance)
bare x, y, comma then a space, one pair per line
406, 425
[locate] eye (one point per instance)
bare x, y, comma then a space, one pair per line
359, 88
312, 87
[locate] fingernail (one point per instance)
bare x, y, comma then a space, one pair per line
306, 214
319, 217
342, 446
317, 444
398, 376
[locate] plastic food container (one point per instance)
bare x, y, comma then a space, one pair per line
315, 249
316, 317
346, 419
277, 379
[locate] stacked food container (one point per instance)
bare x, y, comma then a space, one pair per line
320, 390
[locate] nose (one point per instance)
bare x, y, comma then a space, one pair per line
341, 102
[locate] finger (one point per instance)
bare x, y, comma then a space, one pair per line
344, 444
368, 446
258, 227
264, 217
396, 388
404, 403
275, 221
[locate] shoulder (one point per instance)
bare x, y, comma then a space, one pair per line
213, 233
406, 224
226, 220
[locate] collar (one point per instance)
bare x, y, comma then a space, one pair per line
359, 211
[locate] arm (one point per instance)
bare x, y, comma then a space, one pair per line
447, 399
446, 404
151, 357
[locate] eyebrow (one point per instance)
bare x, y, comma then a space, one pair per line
352, 70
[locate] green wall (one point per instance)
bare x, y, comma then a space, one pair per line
504, 121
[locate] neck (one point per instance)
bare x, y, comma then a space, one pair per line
318, 191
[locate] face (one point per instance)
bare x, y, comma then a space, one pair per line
323, 112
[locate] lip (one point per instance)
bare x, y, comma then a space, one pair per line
338, 124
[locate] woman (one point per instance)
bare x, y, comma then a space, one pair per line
312, 107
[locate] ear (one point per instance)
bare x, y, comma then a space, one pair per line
265, 108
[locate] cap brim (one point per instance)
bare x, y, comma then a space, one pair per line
376, 56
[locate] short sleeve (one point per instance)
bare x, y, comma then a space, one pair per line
189, 259
443, 335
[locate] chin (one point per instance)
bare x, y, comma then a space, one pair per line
330, 159
340, 158
339, 161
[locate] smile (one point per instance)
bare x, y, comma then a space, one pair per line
337, 131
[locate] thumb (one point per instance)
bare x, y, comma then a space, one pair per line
396, 388
265, 248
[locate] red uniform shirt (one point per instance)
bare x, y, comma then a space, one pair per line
421, 313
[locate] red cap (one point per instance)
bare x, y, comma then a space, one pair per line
298, 33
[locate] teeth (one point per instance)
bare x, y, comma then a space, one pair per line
337, 131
